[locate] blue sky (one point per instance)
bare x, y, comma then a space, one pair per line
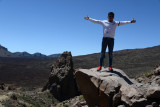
54, 26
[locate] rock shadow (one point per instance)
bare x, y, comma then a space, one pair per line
121, 75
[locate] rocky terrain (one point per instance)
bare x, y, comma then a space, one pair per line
133, 62
12, 96
64, 82
116, 89
60, 91
36, 98
69, 87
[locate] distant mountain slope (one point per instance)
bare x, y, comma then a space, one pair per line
27, 72
132, 61
26, 54
5, 53
54, 55
22, 71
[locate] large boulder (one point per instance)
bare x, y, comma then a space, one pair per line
62, 83
114, 88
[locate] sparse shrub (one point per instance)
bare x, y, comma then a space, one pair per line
148, 74
29, 100
60, 104
65, 105
81, 97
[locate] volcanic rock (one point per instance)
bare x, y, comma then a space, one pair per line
62, 83
115, 89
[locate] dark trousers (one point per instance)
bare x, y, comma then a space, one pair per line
110, 43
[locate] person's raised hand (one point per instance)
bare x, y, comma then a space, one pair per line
133, 21
86, 17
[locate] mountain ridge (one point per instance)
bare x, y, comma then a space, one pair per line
133, 61
4, 52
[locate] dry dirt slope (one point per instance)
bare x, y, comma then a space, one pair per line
132, 61
22, 71
26, 72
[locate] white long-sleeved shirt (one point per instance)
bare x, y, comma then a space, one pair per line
109, 27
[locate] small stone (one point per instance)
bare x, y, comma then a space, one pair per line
149, 106
14, 97
116, 99
140, 79
121, 106
10, 87
154, 104
153, 93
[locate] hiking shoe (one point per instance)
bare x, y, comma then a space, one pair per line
99, 68
110, 69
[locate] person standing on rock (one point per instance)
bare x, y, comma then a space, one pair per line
109, 27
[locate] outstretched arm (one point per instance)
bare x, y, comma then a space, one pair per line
126, 22
93, 20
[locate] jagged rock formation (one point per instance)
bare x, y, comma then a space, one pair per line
62, 82
115, 88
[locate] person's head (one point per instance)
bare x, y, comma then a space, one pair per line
110, 16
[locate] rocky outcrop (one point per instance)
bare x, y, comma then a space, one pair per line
7, 87
157, 69
62, 82
115, 89
2, 86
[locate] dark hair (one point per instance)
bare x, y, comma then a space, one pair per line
110, 13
